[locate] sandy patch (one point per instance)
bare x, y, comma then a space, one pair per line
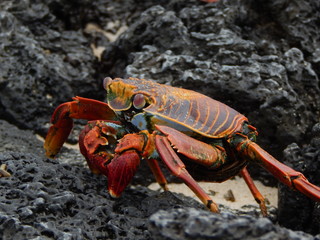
219, 192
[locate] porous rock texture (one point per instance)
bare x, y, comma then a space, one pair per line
260, 57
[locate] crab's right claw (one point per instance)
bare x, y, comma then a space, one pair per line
62, 123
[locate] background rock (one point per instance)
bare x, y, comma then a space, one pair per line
305, 159
262, 58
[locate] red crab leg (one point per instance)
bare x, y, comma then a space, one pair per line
283, 173
254, 190
176, 166
62, 123
200, 152
158, 174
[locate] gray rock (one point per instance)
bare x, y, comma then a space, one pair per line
198, 224
305, 159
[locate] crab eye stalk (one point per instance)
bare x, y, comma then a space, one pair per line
139, 101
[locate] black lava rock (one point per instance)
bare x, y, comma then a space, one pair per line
58, 201
50, 200
196, 224
305, 159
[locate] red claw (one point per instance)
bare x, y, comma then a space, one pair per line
131, 141
90, 140
62, 120
121, 170
118, 161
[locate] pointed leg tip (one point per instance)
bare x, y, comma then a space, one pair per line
113, 194
212, 206
164, 186
50, 154
51, 149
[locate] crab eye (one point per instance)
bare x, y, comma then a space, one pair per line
106, 82
139, 101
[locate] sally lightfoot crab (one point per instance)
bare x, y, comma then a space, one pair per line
196, 137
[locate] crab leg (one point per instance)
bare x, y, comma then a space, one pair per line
62, 123
254, 190
283, 173
158, 174
200, 152
177, 167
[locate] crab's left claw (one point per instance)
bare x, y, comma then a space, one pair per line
121, 170
124, 165
118, 160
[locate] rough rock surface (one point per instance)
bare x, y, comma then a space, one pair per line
260, 57
305, 159
196, 224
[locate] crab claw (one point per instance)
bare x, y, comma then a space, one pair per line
97, 142
62, 120
105, 155
89, 143
121, 170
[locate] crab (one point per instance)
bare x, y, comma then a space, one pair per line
195, 136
